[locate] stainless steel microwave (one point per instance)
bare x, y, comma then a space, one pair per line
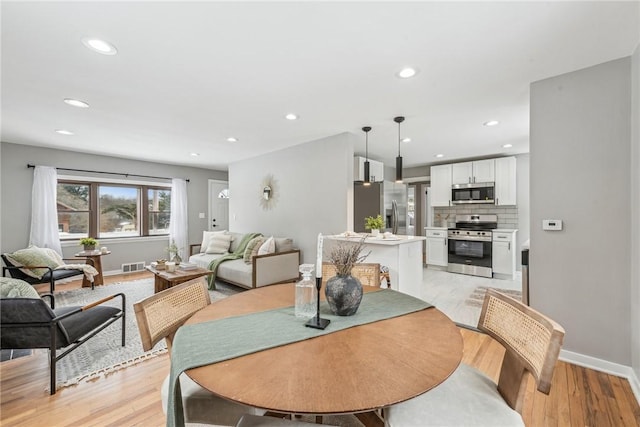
482, 192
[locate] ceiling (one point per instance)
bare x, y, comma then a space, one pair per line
189, 75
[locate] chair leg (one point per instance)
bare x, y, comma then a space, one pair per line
52, 359
124, 314
51, 286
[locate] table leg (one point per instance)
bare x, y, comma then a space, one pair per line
97, 279
160, 284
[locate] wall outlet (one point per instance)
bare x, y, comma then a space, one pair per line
552, 224
201, 215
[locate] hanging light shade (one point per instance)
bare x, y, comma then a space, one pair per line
367, 176
399, 120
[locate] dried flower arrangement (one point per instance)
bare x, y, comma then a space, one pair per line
345, 255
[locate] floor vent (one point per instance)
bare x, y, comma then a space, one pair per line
133, 266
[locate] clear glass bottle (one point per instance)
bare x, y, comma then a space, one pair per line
306, 293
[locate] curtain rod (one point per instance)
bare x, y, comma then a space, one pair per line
108, 173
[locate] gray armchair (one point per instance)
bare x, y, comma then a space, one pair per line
27, 322
51, 276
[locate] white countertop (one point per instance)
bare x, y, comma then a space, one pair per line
505, 230
436, 228
370, 240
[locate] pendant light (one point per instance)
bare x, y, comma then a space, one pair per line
398, 120
367, 177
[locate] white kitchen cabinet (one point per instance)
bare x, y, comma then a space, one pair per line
437, 249
505, 188
503, 254
376, 169
473, 172
441, 185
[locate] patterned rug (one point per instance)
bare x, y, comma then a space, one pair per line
477, 296
103, 354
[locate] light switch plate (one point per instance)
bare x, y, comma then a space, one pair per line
201, 215
552, 224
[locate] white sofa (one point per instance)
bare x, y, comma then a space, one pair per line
279, 267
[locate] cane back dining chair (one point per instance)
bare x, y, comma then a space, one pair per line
367, 273
468, 397
159, 317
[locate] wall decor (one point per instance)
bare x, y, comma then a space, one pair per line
269, 193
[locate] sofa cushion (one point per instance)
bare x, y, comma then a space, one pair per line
252, 249
236, 271
219, 244
236, 238
283, 244
268, 247
206, 236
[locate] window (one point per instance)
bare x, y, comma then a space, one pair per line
109, 210
73, 210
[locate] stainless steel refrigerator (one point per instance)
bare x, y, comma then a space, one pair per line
386, 198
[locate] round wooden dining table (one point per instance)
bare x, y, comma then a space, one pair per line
354, 370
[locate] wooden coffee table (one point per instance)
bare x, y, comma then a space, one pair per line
165, 280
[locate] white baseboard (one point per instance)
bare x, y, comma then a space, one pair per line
604, 366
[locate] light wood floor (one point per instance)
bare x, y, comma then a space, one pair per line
131, 397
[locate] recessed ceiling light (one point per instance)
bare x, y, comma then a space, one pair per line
76, 103
507, 146
195, 154
99, 46
291, 116
406, 73
439, 156
64, 132
406, 139
232, 139
491, 123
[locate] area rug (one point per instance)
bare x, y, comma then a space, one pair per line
476, 298
103, 353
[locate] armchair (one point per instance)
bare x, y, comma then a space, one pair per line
27, 322
51, 276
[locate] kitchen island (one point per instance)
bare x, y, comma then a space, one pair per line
401, 254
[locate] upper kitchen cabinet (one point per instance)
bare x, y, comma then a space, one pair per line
505, 181
376, 169
441, 185
473, 172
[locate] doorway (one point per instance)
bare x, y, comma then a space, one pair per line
218, 205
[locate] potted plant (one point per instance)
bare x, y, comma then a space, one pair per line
343, 291
173, 249
375, 224
89, 243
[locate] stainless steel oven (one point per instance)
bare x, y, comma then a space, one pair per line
470, 245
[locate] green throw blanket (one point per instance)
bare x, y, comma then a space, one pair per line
237, 254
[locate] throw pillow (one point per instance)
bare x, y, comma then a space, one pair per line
252, 249
268, 247
206, 237
16, 288
33, 255
219, 244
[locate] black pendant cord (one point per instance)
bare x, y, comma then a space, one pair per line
126, 175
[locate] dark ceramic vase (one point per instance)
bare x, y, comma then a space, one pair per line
344, 294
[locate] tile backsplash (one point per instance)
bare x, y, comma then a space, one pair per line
507, 215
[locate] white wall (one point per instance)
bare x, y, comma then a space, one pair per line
580, 143
314, 185
522, 189
635, 211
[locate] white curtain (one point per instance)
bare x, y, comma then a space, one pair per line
44, 210
179, 225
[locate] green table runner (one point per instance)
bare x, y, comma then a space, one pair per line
211, 342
